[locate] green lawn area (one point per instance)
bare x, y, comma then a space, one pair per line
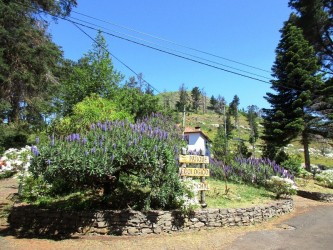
238, 196
311, 186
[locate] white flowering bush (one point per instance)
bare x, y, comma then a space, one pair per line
14, 161
189, 200
281, 186
325, 178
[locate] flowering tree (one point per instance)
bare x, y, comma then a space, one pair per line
112, 153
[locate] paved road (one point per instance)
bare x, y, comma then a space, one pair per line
310, 230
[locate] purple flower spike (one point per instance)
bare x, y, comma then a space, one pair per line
84, 141
112, 157
34, 150
37, 140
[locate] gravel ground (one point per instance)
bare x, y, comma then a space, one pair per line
206, 239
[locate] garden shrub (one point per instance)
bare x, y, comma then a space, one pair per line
251, 170
293, 164
281, 186
91, 110
109, 154
325, 178
14, 161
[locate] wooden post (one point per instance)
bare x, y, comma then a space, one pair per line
202, 192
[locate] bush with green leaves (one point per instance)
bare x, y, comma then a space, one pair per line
281, 186
251, 171
325, 178
293, 164
116, 157
14, 161
91, 110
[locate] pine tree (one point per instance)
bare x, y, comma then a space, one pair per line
183, 99
213, 102
28, 59
94, 73
195, 94
252, 117
233, 109
295, 69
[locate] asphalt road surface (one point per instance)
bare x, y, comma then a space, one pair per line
310, 230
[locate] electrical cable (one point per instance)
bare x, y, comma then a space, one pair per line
151, 47
166, 52
100, 45
146, 41
169, 41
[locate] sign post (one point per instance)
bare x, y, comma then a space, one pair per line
201, 172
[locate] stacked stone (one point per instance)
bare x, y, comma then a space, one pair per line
25, 219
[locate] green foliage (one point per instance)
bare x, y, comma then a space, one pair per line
281, 186
295, 68
220, 145
293, 165
233, 109
213, 102
109, 153
183, 102
13, 136
28, 60
252, 118
92, 74
195, 94
251, 171
91, 110
325, 178
315, 18
136, 103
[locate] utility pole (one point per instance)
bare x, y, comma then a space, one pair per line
184, 121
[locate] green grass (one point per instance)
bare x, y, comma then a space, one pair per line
238, 196
312, 186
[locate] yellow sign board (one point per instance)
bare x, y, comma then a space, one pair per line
200, 186
193, 159
193, 171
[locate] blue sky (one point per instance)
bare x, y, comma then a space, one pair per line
239, 30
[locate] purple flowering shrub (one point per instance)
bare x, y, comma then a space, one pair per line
251, 170
115, 154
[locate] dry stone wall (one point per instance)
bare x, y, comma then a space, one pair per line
25, 220
316, 196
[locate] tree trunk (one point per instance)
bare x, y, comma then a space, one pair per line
305, 141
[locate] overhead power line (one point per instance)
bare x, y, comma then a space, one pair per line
167, 52
171, 42
148, 46
177, 51
100, 45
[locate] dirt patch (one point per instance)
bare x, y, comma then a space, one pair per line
206, 239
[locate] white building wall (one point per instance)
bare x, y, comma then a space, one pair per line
196, 142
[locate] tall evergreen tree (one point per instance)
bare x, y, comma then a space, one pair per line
183, 99
220, 144
315, 17
213, 102
296, 71
28, 58
252, 118
92, 74
195, 94
233, 109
